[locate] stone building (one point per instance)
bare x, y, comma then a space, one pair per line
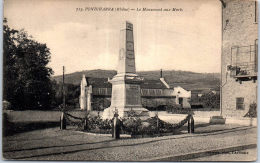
183, 97
239, 56
96, 94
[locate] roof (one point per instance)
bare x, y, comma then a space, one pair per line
182, 85
152, 84
103, 83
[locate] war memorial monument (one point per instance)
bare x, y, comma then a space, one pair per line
126, 91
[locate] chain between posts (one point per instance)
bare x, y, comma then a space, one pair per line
71, 122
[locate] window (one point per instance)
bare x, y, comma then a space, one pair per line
240, 103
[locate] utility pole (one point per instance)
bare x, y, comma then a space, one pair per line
62, 117
63, 89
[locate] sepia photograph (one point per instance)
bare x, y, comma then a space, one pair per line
130, 80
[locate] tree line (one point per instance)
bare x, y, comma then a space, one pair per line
27, 80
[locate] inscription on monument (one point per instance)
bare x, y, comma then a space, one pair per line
130, 55
130, 46
133, 95
129, 35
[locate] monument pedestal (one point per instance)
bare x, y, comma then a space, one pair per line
126, 97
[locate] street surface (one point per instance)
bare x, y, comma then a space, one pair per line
54, 144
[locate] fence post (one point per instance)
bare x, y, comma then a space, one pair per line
192, 124
85, 124
62, 122
116, 127
157, 123
189, 125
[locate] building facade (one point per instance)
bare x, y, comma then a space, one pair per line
239, 56
96, 93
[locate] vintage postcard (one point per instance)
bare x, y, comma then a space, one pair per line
118, 80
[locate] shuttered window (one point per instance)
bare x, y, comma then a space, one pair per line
240, 103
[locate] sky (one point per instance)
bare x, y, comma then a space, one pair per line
188, 40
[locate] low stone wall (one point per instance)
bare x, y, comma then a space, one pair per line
204, 117
206, 113
33, 116
39, 116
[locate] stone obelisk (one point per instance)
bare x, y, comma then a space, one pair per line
126, 91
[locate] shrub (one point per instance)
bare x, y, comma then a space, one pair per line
252, 112
151, 126
176, 109
131, 125
106, 124
171, 108
95, 124
211, 100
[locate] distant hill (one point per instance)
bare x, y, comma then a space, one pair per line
186, 79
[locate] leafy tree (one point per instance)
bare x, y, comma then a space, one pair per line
9, 72
72, 93
99, 104
211, 100
27, 83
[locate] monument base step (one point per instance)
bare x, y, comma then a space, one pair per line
125, 111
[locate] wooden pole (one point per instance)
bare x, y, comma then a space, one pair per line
63, 88
62, 122
192, 124
157, 117
116, 127
62, 118
157, 122
189, 125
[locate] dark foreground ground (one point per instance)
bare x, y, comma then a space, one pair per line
209, 143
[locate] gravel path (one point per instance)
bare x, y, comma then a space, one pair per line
54, 144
